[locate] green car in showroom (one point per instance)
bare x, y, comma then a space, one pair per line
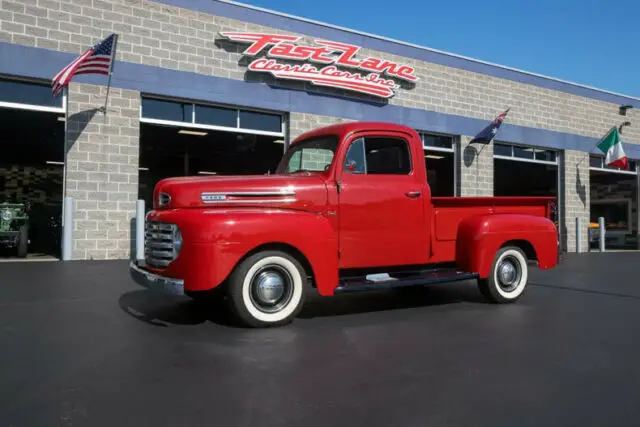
14, 228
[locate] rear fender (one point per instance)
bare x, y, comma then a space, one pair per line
480, 237
236, 234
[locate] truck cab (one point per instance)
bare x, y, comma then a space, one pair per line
348, 209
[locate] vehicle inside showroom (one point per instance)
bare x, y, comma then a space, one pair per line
31, 170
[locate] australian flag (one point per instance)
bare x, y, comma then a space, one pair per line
486, 135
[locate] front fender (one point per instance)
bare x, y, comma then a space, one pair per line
215, 240
480, 237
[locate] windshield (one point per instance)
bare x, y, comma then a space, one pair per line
311, 155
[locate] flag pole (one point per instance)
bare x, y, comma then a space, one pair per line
65, 167
113, 55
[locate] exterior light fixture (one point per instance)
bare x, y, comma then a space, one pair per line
624, 108
192, 132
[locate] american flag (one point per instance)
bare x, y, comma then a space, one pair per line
96, 60
486, 135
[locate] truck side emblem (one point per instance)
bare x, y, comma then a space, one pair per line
280, 196
213, 197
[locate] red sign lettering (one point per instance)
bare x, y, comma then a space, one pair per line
330, 54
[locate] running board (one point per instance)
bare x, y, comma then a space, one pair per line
384, 281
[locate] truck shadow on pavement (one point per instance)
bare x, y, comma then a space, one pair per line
390, 300
164, 310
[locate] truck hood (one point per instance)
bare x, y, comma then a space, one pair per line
282, 191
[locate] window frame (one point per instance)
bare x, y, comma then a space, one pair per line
364, 149
431, 150
364, 157
34, 107
603, 168
194, 124
535, 149
292, 150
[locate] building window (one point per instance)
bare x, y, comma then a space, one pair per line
596, 162
260, 121
215, 117
524, 153
437, 141
439, 158
29, 95
167, 110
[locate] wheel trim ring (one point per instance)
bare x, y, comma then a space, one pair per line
522, 274
283, 300
298, 290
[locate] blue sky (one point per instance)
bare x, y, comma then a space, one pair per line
592, 42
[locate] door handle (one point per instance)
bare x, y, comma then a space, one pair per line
413, 194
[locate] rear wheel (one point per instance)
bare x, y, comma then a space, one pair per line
508, 276
267, 289
23, 242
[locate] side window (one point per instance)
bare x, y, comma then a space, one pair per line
386, 155
354, 160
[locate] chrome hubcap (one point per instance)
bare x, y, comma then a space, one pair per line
271, 289
508, 274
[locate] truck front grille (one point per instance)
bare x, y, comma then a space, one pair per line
159, 248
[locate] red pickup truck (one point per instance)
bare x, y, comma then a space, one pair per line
348, 209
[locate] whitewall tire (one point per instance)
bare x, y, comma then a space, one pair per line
508, 276
267, 289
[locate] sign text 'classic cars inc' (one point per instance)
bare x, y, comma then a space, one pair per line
369, 77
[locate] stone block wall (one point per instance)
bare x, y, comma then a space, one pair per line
574, 172
475, 168
102, 176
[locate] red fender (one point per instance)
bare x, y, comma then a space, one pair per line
220, 238
480, 237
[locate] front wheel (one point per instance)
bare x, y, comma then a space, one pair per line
508, 276
267, 289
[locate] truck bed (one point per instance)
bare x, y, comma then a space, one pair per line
449, 211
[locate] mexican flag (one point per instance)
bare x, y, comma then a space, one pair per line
611, 146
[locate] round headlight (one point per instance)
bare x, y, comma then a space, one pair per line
7, 215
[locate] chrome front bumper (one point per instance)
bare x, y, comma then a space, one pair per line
155, 282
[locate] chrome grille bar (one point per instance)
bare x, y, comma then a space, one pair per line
159, 250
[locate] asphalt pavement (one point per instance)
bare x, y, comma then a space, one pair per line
82, 345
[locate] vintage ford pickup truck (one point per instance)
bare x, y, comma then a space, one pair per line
348, 209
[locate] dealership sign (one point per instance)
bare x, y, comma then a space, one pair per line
372, 76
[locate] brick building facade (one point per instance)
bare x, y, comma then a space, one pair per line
173, 49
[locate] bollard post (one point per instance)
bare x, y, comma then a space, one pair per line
67, 229
578, 234
602, 233
140, 219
